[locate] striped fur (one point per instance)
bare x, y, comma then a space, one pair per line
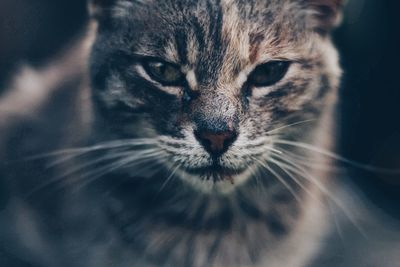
218, 44
163, 202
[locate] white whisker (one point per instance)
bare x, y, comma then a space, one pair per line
290, 125
293, 177
110, 156
59, 178
292, 157
100, 146
169, 178
127, 162
335, 156
280, 179
304, 174
72, 171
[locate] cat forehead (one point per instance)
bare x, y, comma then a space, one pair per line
235, 27
204, 10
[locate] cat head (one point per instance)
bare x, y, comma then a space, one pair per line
213, 83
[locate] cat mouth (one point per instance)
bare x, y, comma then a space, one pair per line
216, 173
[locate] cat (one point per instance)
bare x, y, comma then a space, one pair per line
201, 130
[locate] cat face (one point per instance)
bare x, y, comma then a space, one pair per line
213, 83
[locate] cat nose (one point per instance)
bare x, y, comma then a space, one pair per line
216, 143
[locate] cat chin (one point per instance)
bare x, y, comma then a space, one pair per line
209, 186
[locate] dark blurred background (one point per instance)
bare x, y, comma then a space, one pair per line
369, 44
33, 31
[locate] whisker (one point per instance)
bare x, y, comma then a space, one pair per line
293, 177
303, 173
100, 146
254, 171
134, 160
338, 157
169, 178
262, 149
315, 165
337, 225
92, 162
280, 179
70, 172
100, 172
290, 125
257, 177
111, 156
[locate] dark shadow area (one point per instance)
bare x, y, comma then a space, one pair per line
33, 31
369, 44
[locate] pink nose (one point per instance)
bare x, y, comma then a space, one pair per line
216, 143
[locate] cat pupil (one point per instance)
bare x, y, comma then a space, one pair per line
269, 73
165, 73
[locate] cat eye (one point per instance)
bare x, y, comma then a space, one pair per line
269, 73
165, 73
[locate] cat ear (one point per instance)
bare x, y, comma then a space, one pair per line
326, 14
99, 9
